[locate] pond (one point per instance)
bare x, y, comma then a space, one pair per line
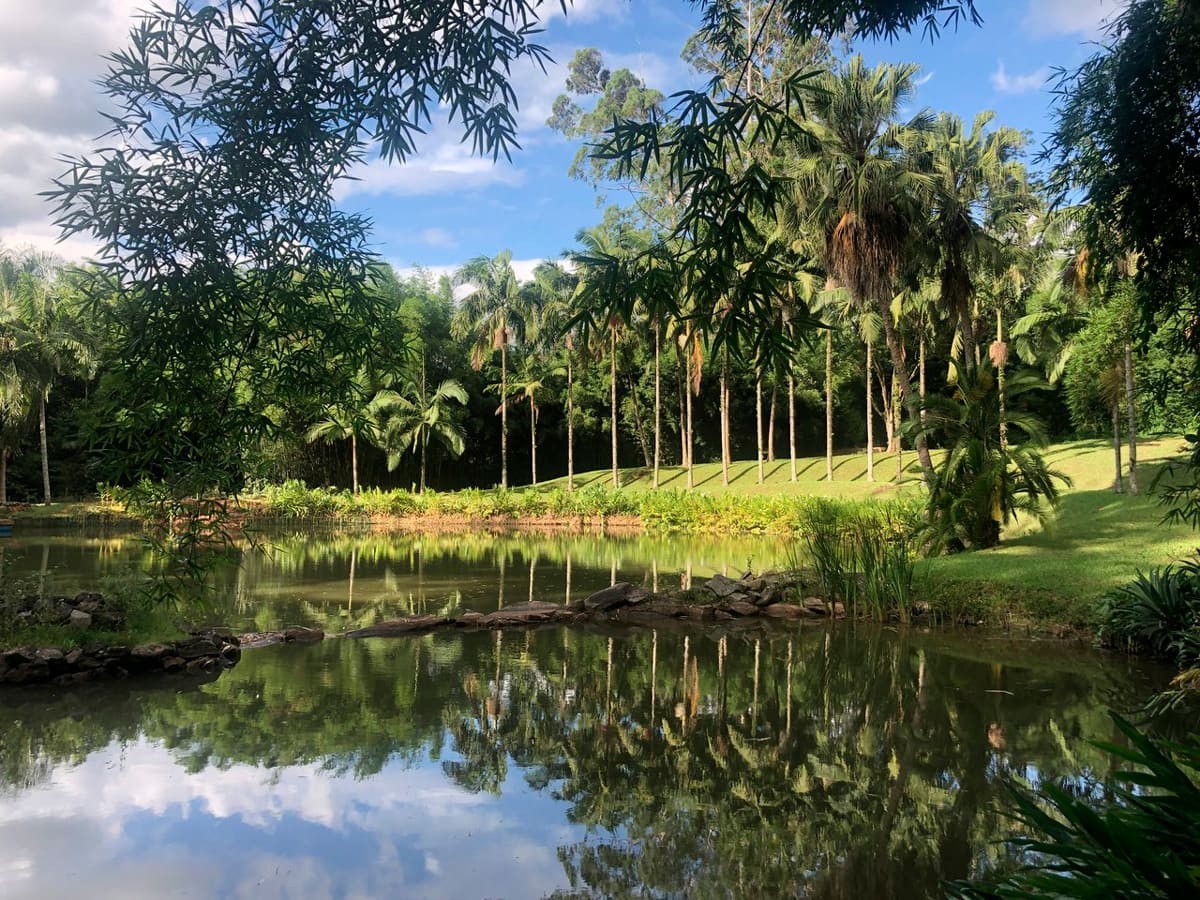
832, 762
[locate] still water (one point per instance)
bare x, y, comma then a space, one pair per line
843, 762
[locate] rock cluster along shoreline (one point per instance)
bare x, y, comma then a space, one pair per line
720, 599
206, 651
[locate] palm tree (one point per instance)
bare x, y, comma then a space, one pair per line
357, 417
983, 484
411, 419
490, 316
549, 311
47, 340
529, 390
858, 183
980, 201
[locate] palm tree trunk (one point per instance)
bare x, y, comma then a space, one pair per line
424, 461
885, 410
4, 477
643, 442
1000, 361
792, 425
657, 400
921, 370
1119, 483
353, 464
758, 422
570, 424
906, 394
683, 386
504, 411
532, 440
966, 331
1131, 414
690, 442
616, 478
724, 388
828, 405
42, 438
895, 412
870, 417
771, 421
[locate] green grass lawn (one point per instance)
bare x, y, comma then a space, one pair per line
1094, 541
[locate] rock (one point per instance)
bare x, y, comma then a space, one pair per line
150, 652
741, 608
787, 611
172, 663
721, 586
198, 647
407, 625
528, 613
74, 656
620, 594
303, 635
816, 606
770, 594
79, 619
49, 655
753, 585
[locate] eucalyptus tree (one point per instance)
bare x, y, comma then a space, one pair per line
490, 316
413, 418
858, 182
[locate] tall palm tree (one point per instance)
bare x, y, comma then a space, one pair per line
550, 308
489, 314
980, 201
48, 340
415, 417
529, 390
858, 183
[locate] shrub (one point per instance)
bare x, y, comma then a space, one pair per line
1158, 612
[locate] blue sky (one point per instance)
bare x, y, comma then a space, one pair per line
444, 206
532, 208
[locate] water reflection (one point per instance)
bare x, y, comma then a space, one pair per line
841, 763
344, 580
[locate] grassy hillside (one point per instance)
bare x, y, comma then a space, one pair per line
1094, 541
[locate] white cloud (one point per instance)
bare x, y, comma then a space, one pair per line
437, 237
89, 825
523, 268
1019, 84
585, 11
1085, 18
443, 165
52, 55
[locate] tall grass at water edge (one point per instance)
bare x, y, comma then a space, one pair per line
862, 555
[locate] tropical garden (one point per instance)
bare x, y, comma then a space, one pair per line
924, 352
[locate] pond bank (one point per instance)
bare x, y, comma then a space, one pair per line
720, 599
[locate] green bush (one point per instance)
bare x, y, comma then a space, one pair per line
1158, 613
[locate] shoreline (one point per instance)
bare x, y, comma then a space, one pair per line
753, 601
